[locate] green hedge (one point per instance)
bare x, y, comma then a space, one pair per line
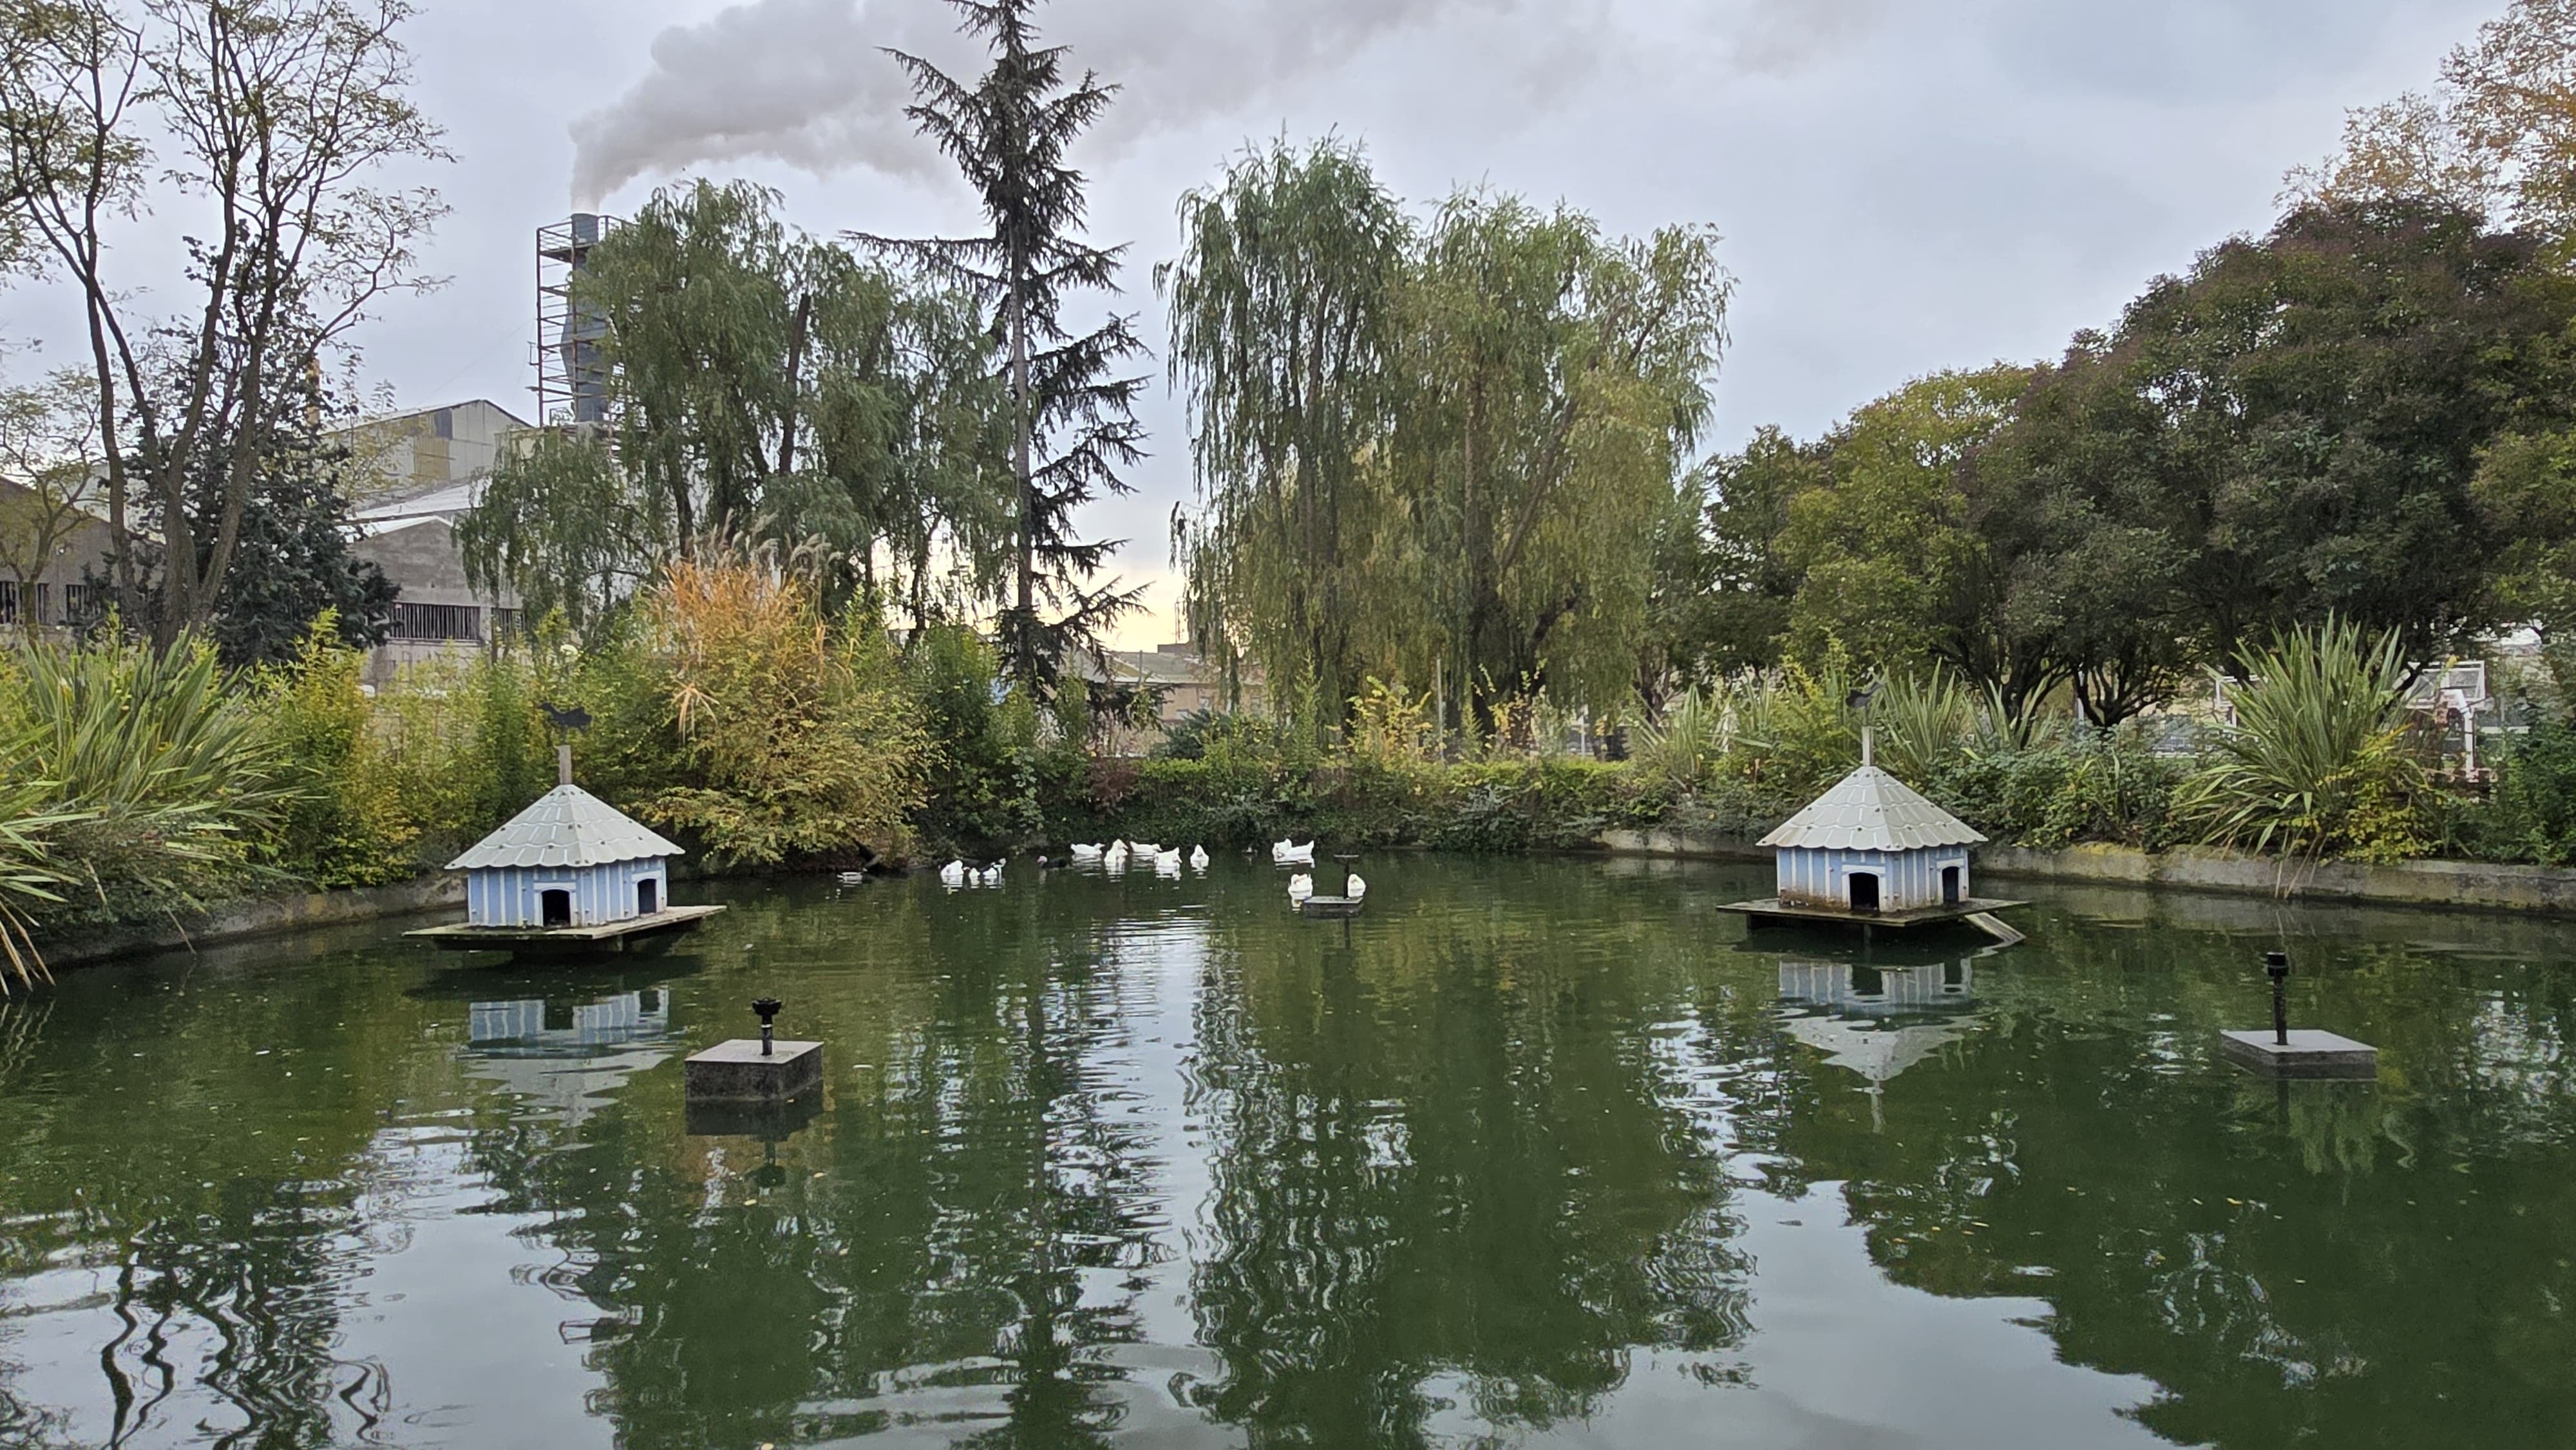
1493, 806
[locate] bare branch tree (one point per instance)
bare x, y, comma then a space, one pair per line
271, 116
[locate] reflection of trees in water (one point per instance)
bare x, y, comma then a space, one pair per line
2339, 1263
923, 1248
1446, 1152
215, 1189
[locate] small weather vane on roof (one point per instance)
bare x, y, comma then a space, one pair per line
565, 718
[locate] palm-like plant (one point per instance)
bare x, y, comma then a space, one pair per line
1686, 744
31, 879
135, 776
2318, 759
1923, 719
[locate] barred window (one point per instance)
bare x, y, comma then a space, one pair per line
82, 603
506, 625
437, 621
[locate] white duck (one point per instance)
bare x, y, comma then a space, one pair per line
1198, 858
1288, 853
1357, 888
854, 878
953, 875
1145, 848
1300, 886
992, 875
1168, 863
1082, 852
1116, 859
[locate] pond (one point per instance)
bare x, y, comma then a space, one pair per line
1536, 1152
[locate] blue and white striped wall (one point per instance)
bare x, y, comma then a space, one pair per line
1906, 879
513, 896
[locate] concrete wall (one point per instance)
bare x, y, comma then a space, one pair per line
2468, 884
423, 562
84, 542
413, 452
264, 917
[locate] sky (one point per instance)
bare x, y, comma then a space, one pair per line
1902, 185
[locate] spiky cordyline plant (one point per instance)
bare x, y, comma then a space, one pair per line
2318, 761
137, 779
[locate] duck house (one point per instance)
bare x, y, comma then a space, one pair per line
569, 873
1873, 851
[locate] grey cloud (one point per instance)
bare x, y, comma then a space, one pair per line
806, 82
2188, 48
1779, 36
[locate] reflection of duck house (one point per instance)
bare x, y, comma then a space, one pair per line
1873, 852
558, 1029
1876, 1021
1866, 991
570, 874
568, 1056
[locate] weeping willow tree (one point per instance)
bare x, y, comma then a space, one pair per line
1439, 453
1281, 308
766, 387
1556, 380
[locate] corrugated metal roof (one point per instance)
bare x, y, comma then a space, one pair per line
1870, 810
567, 826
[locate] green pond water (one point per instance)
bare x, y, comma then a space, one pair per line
1535, 1153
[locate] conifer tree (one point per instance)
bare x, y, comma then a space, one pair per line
1072, 423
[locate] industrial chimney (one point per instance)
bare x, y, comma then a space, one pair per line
572, 370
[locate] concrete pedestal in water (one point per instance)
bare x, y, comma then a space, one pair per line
736, 1071
2308, 1053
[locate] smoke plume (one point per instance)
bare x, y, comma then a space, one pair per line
807, 82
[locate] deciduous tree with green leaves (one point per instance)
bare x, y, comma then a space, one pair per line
268, 122
1898, 561
761, 386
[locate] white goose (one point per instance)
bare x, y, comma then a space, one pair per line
1198, 858
1300, 886
1288, 853
953, 875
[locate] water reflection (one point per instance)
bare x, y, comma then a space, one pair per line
564, 1056
1877, 1021
1536, 1153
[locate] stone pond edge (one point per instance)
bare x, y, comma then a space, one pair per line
255, 917
2472, 885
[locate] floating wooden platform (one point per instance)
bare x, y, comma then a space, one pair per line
634, 934
1974, 911
1329, 908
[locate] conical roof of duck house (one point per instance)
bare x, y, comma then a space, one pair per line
1871, 845
565, 827
1871, 810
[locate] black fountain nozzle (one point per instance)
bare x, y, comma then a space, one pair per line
2276, 965
767, 1007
